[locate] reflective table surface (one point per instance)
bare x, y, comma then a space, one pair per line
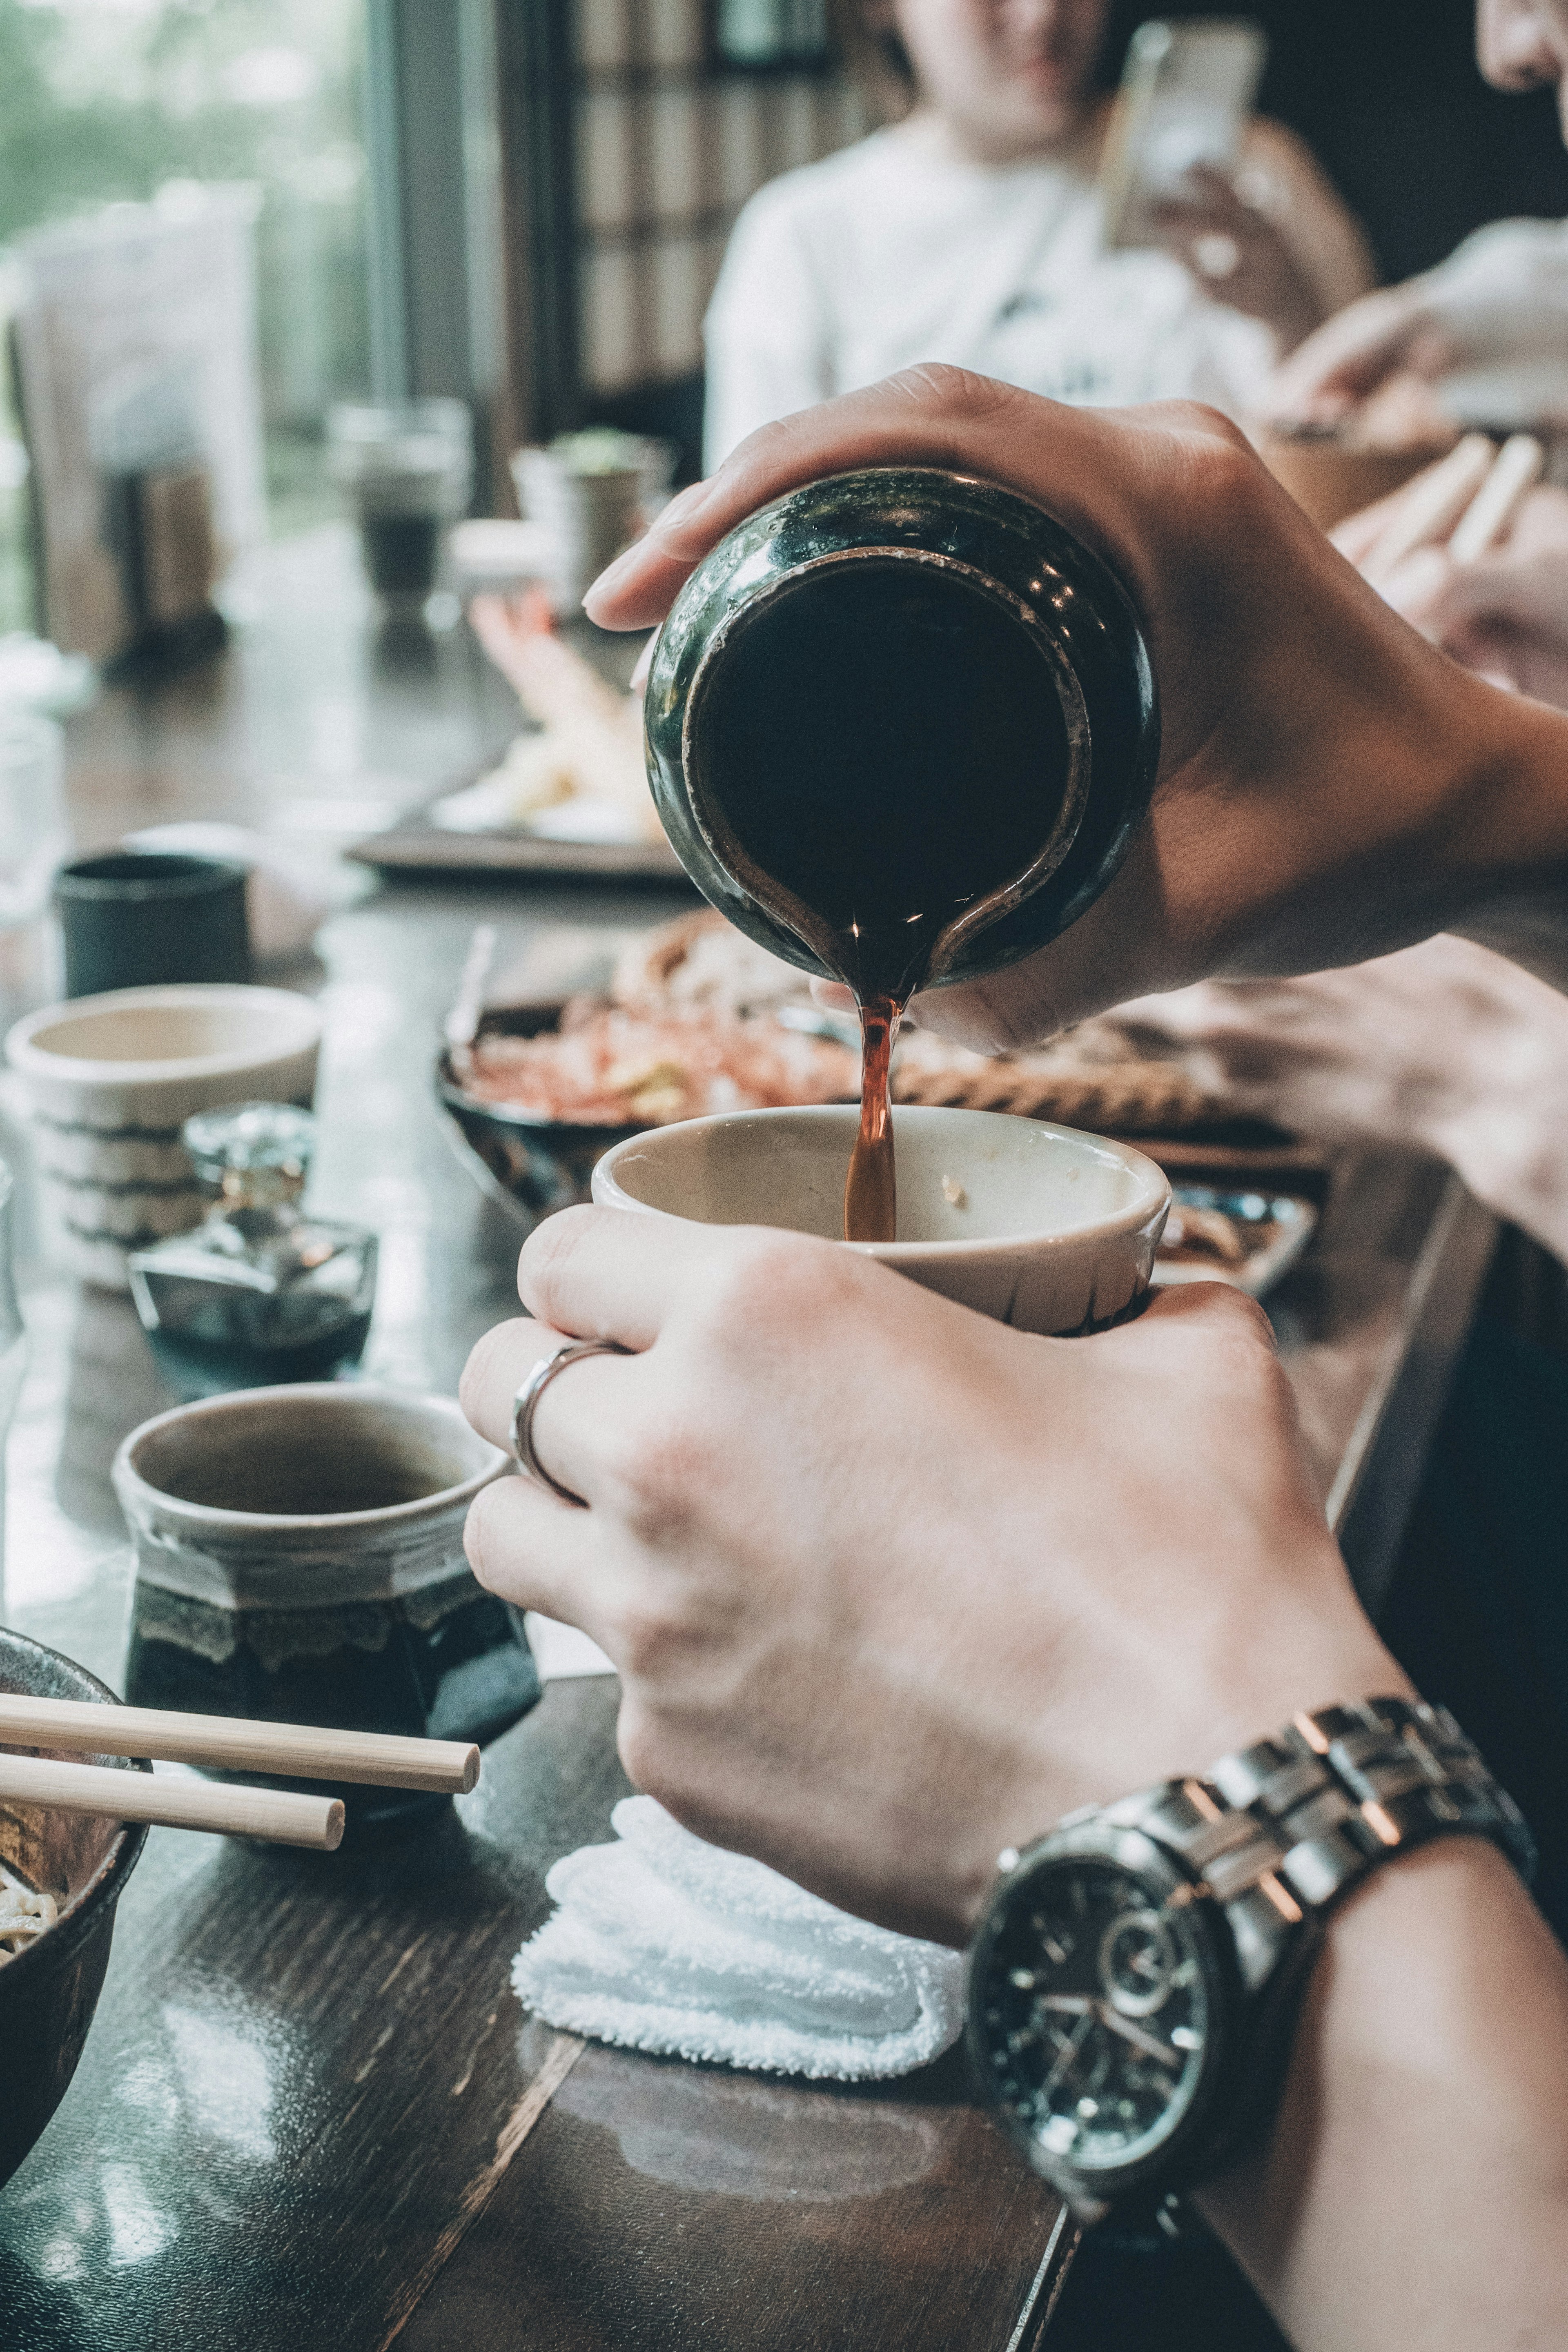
311, 2115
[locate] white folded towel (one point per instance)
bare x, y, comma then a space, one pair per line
662, 1942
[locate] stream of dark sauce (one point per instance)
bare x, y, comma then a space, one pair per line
871, 1187
885, 741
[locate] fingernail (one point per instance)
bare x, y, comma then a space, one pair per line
684, 504
610, 579
680, 509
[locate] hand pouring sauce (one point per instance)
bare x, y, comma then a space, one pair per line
900, 726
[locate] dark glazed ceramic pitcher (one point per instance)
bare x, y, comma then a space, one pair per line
901, 726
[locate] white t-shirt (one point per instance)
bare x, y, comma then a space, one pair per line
897, 250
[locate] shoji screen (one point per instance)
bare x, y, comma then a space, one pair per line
670, 146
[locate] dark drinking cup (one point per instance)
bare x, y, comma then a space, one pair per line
140, 919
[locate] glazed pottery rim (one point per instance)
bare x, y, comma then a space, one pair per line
104, 1888
1153, 1196
295, 1013
128, 1481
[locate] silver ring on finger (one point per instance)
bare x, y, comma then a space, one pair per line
525, 1405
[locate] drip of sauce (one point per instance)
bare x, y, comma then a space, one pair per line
871, 1188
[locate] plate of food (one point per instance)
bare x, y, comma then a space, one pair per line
693, 1018
1247, 1238
568, 795
543, 1090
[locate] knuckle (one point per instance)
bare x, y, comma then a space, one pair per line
1210, 433
1245, 1320
650, 1634
775, 445
768, 1276
952, 395
637, 1749
642, 1748
1248, 1360
662, 1462
1007, 1018
1231, 1350
1213, 478
659, 1761
1245, 1334
1225, 478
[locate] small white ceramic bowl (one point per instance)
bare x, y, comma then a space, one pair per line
110, 1080
1037, 1226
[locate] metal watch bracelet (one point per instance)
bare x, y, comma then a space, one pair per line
1281, 1832
1289, 1826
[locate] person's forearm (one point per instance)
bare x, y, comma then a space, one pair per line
1493, 1091
1511, 1146
1509, 842
1521, 1176
1415, 2191
1509, 1139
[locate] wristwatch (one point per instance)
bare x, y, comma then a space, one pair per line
1134, 1987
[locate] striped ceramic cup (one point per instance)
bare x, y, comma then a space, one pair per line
108, 1082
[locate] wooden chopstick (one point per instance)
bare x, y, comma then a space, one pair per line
279, 1815
1516, 469
224, 1743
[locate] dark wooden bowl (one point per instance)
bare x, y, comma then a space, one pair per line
48, 1993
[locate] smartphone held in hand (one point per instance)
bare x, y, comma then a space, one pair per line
1186, 96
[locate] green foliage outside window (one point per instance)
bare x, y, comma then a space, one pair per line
107, 100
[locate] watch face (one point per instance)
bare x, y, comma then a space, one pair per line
1095, 2012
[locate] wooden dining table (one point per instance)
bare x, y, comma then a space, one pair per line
312, 2114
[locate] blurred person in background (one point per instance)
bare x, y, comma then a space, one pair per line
1447, 1045
969, 231
1489, 325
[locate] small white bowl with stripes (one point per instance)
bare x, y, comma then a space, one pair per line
109, 1082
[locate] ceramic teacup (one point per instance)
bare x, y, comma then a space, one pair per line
299, 1559
138, 919
1037, 1226
109, 1082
